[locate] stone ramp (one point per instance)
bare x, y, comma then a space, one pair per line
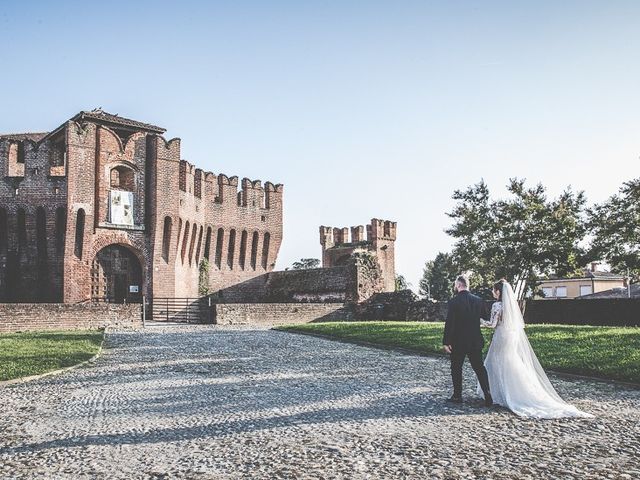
239, 402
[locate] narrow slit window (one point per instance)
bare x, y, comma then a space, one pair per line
219, 241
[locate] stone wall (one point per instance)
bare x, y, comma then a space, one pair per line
317, 285
279, 313
15, 317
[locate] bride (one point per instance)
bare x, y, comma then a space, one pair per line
516, 379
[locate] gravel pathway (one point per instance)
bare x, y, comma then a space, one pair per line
209, 402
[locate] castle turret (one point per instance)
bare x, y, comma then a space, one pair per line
337, 247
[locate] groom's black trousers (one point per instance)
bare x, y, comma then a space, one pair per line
475, 357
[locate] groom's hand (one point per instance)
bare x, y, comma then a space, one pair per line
447, 348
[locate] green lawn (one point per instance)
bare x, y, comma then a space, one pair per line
606, 352
33, 353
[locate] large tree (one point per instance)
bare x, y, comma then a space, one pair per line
519, 238
615, 229
438, 276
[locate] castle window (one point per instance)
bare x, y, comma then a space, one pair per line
21, 152
79, 233
122, 178
243, 249
4, 234
41, 233
232, 247
199, 245
178, 236
15, 160
265, 250
22, 228
58, 155
207, 244
185, 239
219, 241
194, 231
166, 238
254, 250
61, 227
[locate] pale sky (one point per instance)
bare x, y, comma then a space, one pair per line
362, 109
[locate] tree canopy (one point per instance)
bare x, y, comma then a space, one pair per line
520, 238
438, 276
615, 229
305, 264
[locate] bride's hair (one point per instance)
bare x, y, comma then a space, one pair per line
498, 286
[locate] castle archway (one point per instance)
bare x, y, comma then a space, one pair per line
116, 275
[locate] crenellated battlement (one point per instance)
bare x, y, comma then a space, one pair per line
377, 229
381, 229
33, 156
222, 188
339, 245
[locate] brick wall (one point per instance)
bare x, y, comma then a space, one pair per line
279, 313
16, 317
31, 246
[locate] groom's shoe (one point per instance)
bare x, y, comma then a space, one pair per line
488, 400
454, 399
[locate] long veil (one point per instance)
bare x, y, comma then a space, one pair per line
513, 324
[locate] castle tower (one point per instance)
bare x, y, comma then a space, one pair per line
337, 247
382, 236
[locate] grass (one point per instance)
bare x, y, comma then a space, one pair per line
33, 353
605, 352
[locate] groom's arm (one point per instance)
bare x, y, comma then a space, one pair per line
485, 311
448, 327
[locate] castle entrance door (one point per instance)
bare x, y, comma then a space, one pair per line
116, 275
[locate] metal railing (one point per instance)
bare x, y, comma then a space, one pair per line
179, 310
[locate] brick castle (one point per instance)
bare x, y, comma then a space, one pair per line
103, 207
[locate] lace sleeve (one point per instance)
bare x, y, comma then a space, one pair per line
496, 316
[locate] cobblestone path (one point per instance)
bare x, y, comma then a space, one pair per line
196, 402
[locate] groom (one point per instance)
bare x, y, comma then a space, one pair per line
463, 338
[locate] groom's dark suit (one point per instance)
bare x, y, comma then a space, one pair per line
462, 332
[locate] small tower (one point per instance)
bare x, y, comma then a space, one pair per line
337, 247
382, 236
326, 240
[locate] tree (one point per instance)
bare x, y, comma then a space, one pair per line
438, 276
203, 278
401, 283
520, 238
615, 226
305, 264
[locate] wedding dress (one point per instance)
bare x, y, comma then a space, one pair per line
516, 378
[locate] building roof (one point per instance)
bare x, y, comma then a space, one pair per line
619, 292
36, 137
587, 274
97, 114
117, 120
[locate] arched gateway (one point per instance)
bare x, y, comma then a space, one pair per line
116, 275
